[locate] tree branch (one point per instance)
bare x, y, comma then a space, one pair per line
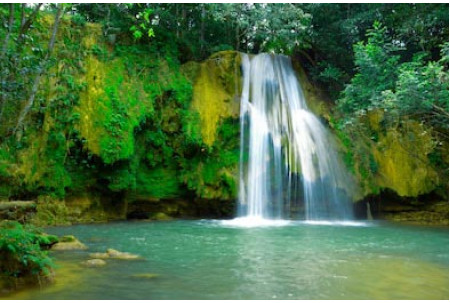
25, 26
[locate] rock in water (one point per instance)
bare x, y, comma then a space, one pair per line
94, 263
69, 243
115, 254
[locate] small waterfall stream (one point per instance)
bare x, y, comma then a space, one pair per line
289, 167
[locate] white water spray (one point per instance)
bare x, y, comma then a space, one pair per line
288, 160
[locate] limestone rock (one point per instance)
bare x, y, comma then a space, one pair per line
115, 254
94, 263
69, 243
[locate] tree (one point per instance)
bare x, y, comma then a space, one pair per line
377, 69
14, 67
41, 69
337, 27
276, 27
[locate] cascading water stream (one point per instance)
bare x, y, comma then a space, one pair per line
288, 160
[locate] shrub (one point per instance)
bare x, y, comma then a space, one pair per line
22, 259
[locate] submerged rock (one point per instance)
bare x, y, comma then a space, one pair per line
115, 254
94, 263
69, 243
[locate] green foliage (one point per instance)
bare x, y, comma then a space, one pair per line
20, 250
336, 28
78, 20
417, 89
422, 90
50, 212
273, 27
377, 72
5, 160
158, 182
212, 172
143, 25
113, 112
387, 102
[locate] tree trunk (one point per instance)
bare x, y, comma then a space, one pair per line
22, 15
42, 67
26, 24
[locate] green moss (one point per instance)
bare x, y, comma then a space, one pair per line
159, 182
161, 217
402, 160
216, 92
50, 211
111, 107
213, 173
391, 155
316, 100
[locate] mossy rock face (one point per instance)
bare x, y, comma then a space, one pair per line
401, 156
316, 100
217, 92
388, 153
420, 217
161, 217
111, 106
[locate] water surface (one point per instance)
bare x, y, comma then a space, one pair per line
211, 260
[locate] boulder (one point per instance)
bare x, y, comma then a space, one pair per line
94, 263
69, 243
115, 254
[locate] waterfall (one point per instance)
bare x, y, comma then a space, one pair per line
289, 167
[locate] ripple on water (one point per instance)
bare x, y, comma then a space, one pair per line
252, 222
249, 222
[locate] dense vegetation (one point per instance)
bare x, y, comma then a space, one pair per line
99, 98
22, 259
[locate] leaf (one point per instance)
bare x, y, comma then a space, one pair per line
11, 248
137, 34
151, 33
